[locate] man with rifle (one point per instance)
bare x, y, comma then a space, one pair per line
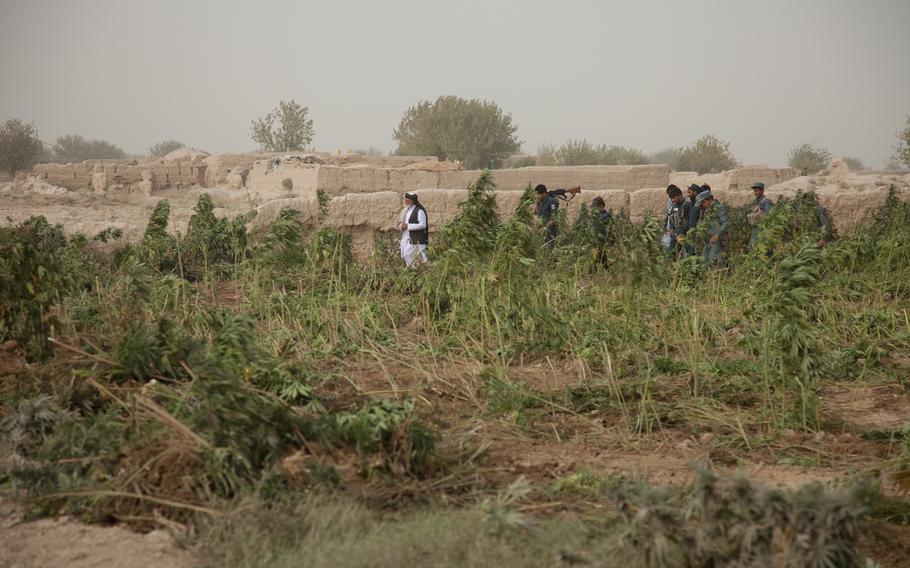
547, 206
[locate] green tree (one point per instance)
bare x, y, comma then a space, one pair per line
902, 148
707, 155
854, 163
451, 128
664, 156
164, 148
808, 158
74, 148
287, 128
20, 146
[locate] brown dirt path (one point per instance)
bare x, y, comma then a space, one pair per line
51, 543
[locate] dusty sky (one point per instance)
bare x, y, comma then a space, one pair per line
763, 75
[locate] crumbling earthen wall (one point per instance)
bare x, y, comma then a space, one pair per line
368, 214
100, 174
265, 181
738, 178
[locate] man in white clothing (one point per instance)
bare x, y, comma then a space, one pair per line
415, 231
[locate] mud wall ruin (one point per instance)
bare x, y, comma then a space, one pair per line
368, 215
366, 191
267, 181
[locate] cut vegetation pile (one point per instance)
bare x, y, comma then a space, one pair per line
499, 406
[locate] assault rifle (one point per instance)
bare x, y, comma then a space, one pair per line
565, 194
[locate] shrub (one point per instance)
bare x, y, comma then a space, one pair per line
902, 148
164, 148
525, 162
707, 155
293, 132
451, 128
808, 158
583, 153
369, 151
740, 523
33, 278
75, 148
665, 156
855, 163
20, 147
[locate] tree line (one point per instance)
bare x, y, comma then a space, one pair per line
477, 133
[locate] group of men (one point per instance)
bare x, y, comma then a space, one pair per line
684, 213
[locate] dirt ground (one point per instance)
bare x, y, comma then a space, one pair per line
557, 445
52, 543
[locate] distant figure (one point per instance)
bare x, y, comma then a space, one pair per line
694, 215
668, 242
761, 208
714, 213
415, 231
547, 207
825, 227
602, 218
678, 219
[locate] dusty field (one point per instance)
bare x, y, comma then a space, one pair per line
63, 542
210, 372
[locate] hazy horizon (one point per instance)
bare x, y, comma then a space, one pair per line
762, 76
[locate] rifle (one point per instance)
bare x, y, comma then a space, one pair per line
566, 194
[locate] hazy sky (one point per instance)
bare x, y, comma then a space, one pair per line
764, 75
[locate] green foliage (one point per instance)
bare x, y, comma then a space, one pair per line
790, 339
707, 155
213, 244
74, 148
30, 425
110, 233
451, 128
150, 350
293, 131
809, 158
191, 391
388, 426
34, 277
20, 146
582, 152
473, 230
165, 147
902, 147
158, 248
329, 251
740, 523
793, 222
